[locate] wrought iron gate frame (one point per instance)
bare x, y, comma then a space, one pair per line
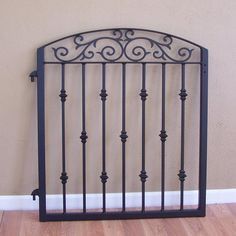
123, 214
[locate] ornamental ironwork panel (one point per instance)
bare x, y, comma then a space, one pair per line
122, 46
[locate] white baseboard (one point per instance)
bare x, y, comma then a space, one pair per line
113, 200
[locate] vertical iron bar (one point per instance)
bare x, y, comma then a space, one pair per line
163, 137
103, 176
203, 130
182, 174
83, 138
143, 175
123, 134
64, 176
41, 133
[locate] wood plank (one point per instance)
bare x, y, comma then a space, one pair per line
217, 217
1, 213
220, 220
174, 226
225, 217
193, 226
11, 223
154, 227
83, 228
133, 227
31, 226
232, 208
219, 211
113, 227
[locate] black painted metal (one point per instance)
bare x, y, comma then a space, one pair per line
123, 134
103, 175
203, 130
83, 138
182, 174
163, 136
122, 46
143, 94
64, 176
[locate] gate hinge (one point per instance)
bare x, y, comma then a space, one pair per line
35, 193
33, 75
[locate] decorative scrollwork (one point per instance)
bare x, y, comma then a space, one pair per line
83, 136
64, 177
63, 95
123, 136
122, 44
182, 175
103, 177
143, 176
103, 95
183, 94
163, 135
143, 94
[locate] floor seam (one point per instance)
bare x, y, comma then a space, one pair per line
2, 219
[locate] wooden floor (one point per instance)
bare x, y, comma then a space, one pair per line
220, 220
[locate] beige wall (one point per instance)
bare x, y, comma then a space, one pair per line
26, 25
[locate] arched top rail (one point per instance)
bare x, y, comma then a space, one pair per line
122, 45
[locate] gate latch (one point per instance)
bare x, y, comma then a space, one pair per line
35, 193
33, 75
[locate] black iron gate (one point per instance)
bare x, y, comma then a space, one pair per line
123, 47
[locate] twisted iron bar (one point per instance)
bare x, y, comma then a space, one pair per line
122, 44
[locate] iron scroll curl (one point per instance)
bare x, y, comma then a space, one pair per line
125, 44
